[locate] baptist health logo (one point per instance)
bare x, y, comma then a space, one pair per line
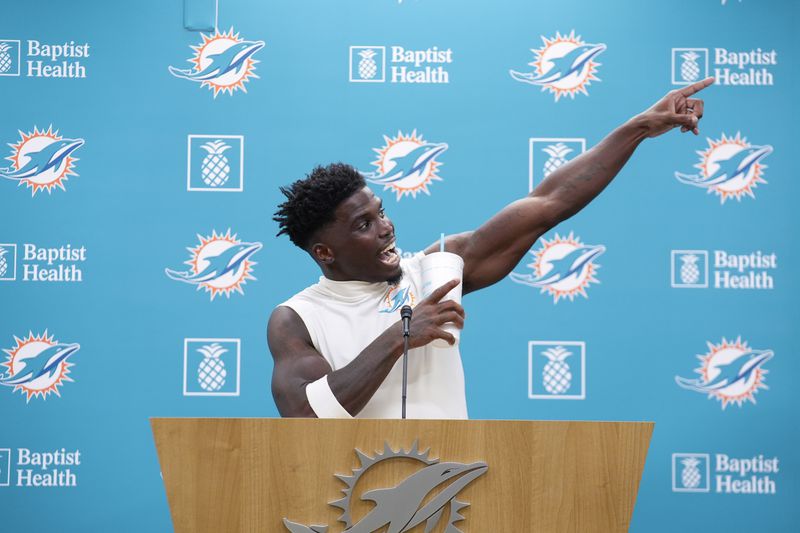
730, 372
548, 154
41, 160
563, 267
691, 472
556, 370
729, 167
39, 468
745, 68
215, 163
43, 60
220, 264
690, 269
223, 62
565, 65
426, 66
42, 263
37, 365
211, 367
407, 164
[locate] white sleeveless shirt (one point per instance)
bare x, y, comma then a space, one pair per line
344, 317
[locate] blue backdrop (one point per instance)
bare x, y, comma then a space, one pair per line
128, 166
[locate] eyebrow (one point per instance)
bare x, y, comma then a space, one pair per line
364, 212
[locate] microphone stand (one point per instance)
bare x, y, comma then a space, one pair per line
405, 313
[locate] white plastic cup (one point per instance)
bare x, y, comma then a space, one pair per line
437, 269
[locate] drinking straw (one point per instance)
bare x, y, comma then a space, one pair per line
441, 243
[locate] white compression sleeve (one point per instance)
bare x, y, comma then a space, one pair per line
323, 402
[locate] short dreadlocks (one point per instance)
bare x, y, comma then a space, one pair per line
311, 202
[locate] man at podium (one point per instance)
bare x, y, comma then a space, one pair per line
336, 344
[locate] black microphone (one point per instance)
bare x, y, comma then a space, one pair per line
405, 314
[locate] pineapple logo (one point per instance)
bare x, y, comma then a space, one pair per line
689, 65
406, 164
690, 70
220, 264
563, 267
211, 367
368, 64
690, 472
730, 167
556, 376
730, 372
216, 163
223, 62
565, 65
37, 365
548, 154
42, 160
9, 58
551, 376
4, 262
689, 269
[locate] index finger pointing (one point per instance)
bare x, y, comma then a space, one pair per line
694, 88
439, 293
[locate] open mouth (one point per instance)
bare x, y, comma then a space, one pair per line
389, 254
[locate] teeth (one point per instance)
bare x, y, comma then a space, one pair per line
388, 248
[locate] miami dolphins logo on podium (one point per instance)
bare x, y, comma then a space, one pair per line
731, 372
42, 160
37, 365
563, 267
220, 264
223, 62
730, 167
406, 164
422, 497
565, 65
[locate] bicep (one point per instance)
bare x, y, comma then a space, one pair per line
297, 362
494, 249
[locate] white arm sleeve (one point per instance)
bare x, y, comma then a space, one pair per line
323, 402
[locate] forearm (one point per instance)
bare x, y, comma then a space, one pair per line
356, 383
570, 188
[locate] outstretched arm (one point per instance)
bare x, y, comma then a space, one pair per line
494, 249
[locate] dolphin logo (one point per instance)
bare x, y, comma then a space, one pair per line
407, 165
734, 372
571, 265
401, 508
47, 362
398, 299
736, 166
233, 59
51, 156
564, 66
230, 260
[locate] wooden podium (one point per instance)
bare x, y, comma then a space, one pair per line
248, 475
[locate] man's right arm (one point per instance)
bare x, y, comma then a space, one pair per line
298, 363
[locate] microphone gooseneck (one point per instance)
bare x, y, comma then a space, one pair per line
405, 314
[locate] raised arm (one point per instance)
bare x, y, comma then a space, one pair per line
494, 249
298, 363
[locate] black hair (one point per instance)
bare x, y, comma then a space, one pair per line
311, 202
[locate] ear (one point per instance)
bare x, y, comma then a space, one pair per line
322, 253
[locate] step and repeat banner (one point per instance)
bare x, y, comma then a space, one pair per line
143, 145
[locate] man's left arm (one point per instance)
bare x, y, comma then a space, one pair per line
493, 250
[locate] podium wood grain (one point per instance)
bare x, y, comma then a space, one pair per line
246, 475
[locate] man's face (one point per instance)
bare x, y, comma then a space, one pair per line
361, 241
